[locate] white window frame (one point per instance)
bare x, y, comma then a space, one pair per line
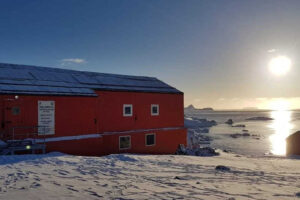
154, 105
131, 107
120, 142
149, 145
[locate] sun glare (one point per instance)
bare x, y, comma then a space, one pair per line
281, 125
282, 128
280, 65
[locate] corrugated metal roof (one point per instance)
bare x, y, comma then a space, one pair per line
24, 79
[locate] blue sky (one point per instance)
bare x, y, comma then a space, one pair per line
214, 51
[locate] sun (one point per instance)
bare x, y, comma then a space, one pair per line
280, 65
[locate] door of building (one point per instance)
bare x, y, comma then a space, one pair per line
12, 115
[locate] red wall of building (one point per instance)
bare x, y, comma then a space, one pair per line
166, 142
1, 114
79, 115
104, 114
111, 111
90, 147
73, 115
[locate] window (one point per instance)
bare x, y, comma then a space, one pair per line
154, 109
150, 139
124, 142
127, 110
15, 110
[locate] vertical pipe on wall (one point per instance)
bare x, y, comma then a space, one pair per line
97, 113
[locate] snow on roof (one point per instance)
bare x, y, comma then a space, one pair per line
24, 79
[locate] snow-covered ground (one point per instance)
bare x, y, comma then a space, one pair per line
59, 176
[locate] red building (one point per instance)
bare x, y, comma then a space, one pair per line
87, 113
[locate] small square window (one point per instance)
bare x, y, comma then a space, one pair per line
150, 139
127, 110
15, 110
124, 142
154, 109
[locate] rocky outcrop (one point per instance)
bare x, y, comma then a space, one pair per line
259, 118
198, 123
229, 122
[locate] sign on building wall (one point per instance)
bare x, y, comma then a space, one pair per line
46, 117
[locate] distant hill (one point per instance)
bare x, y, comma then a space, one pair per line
207, 109
191, 107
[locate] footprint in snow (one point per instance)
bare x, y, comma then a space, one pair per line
55, 183
35, 185
22, 188
61, 172
94, 193
222, 168
71, 188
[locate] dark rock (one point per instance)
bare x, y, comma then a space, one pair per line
205, 121
181, 150
222, 168
193, 122
204, 138
205, 130
206, 151
239, 126
229, 122
237, 135
256, 136
260, 118
297, 194
246, 134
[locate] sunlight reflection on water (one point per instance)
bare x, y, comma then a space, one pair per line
282, 127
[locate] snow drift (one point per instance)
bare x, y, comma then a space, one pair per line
59, 176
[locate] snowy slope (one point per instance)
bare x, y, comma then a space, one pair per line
59, 176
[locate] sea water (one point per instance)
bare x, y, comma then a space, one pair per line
267, 137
